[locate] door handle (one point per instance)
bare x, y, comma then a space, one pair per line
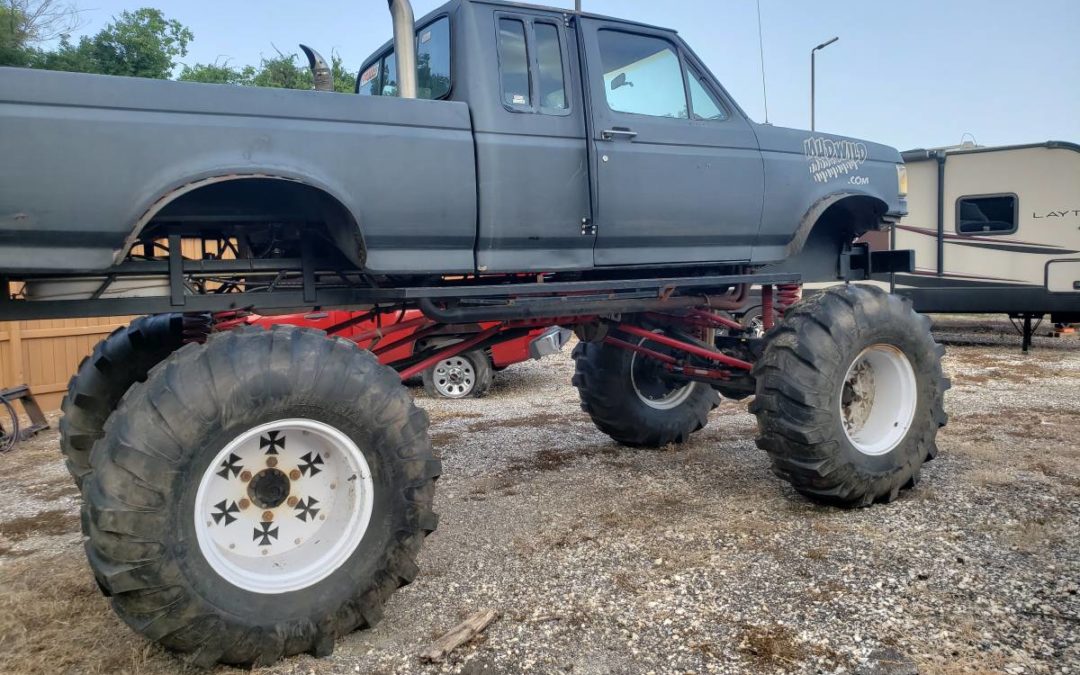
618, 132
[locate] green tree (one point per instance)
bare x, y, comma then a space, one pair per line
24, 24
142, 43
217, 73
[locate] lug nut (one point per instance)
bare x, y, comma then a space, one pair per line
268, 516
245, 476
271, 462
244, 503
293, 501
294, 474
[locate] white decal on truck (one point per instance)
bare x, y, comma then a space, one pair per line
830, 159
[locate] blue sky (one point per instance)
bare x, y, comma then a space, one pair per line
910, 73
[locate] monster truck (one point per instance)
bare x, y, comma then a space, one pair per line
259, 493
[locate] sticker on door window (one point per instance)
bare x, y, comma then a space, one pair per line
369, 74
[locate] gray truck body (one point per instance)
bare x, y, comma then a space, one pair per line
462, 185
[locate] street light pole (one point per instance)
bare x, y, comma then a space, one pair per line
813, 76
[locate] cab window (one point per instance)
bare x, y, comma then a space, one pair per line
549, 64
642, 75
514, 64
707, 107
432, 66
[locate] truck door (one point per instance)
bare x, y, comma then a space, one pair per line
679, 176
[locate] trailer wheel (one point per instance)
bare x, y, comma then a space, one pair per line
260, 496
117, 362
628, 400
850, 396
462, 376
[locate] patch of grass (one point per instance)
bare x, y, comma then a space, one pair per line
538, 420
49, 523
54, 620
770, 646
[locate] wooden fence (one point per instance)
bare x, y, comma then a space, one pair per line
45, 354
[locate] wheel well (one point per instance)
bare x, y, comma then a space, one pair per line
826, 229
847, 217
267, 209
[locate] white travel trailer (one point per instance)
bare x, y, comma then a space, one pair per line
994, 230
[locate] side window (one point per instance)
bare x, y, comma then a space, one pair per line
369, 80
549, 64
705, 104
433, 60
388, 81
514, 63
987, 214
432, 66
642, 75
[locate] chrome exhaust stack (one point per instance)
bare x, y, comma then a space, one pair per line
320, 70
404, 46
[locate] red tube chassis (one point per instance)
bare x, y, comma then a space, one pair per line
396, 337
683, 340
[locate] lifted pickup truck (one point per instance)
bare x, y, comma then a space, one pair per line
258, 493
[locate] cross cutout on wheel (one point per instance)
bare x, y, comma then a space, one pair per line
231, 464
307, 510
310, 464
272, 441
225, 511
263, 530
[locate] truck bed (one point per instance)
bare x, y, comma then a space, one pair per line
84, 157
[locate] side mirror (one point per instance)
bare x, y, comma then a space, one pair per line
620, 81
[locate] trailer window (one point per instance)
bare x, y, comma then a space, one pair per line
514, 64
642, 75
987, 214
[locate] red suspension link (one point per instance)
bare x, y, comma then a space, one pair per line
696, 350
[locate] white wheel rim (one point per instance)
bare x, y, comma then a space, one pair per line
877, 399
320, 520
454, 377
672, 399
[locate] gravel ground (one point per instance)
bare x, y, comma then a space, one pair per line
602, 559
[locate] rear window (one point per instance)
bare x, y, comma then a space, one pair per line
432, 66
987, 214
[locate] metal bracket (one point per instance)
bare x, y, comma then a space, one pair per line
588, 229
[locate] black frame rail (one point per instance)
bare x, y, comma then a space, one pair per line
308, 292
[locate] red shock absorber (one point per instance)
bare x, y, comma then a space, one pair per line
786, 296
767, 306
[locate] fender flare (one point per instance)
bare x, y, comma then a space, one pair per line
818, 209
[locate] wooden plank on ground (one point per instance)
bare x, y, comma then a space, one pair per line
459, 635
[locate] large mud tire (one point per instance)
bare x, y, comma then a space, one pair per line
119, 361
814, 362
147, 542
610, 382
